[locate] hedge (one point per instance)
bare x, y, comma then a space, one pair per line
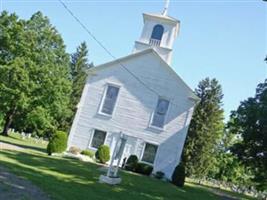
58, 143
143, 168
178, 176
103, 154
131, 163
89, 153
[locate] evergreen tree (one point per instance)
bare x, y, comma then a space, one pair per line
205, 130
79, 65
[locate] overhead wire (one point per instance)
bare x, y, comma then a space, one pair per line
106, 50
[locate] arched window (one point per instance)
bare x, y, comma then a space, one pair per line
156, 35
157, 32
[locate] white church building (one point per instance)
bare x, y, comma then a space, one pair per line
141, 96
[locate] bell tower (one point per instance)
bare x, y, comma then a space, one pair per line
159, 33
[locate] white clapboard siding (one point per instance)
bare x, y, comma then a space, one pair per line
134, 107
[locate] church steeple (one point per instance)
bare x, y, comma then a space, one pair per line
159, 33
165, 10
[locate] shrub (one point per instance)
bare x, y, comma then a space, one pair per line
57, 143
89, 153
103, 154
159, 174
74, 150
131, 163
178, 176
143, 168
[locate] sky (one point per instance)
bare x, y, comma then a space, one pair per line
222, 39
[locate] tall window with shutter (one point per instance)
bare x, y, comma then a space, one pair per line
160, 112
110, 99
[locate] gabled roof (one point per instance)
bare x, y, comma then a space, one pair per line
146, 51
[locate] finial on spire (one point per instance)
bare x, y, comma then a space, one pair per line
165, 10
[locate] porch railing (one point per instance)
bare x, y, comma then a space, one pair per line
154, 42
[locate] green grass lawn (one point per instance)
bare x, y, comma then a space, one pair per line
64, 179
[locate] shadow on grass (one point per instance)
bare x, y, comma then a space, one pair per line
71, 179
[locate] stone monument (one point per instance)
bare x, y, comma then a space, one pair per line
112, 177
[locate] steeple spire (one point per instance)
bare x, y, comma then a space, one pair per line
159, 33
165, 10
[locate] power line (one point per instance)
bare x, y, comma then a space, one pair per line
86, 29
100, 44
107, 51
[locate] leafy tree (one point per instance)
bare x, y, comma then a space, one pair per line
79, 65
227, 167
249, 122
14, 89
1, 121
35, 76
205, 131
11, 70
230, 169
40, 120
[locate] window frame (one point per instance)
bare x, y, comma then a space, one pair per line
104, 97
166, 115
143, 151
93, 134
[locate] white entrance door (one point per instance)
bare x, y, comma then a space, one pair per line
129, 148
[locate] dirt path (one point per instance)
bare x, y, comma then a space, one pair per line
16, 188
13, 187
10, 147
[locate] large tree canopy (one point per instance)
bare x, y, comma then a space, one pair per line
249, 122
205, 130
228, 167
35, 84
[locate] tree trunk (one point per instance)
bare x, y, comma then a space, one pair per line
8, 120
